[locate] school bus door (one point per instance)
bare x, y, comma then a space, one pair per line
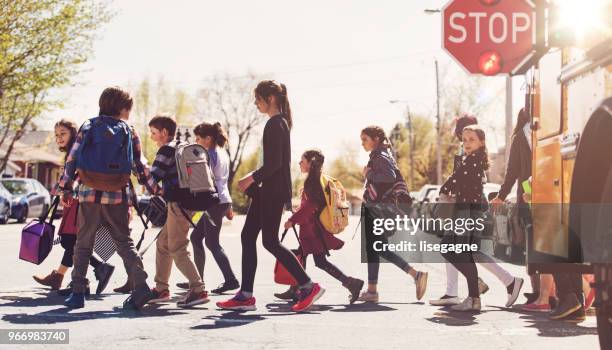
549, 235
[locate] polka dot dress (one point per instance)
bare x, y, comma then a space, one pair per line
466, 181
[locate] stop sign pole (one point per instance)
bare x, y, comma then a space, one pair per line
490, 37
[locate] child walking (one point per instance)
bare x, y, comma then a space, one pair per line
465, 185
104, 167
314, 239
381, 173
65, 135
270, 190
172, 241
213, 138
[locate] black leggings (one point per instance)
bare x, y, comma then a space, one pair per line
210, 234
373, 256
464, 261
322, 263
68, 242
265, 217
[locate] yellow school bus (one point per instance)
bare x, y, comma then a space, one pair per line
570, 99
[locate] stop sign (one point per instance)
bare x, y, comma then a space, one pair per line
489, 36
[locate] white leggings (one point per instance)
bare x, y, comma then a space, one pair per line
452, 275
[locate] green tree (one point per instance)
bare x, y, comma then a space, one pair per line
43, 45
346, 168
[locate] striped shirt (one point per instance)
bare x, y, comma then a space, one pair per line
91, 195
164, 170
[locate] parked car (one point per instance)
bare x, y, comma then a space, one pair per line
5, 205
29, 198
421, 198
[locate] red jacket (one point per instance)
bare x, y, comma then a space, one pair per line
310, 238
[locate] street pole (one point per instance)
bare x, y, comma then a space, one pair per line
508, 118
438, 125
411, 140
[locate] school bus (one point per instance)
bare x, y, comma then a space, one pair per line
570, 100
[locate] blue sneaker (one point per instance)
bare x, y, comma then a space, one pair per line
75, 301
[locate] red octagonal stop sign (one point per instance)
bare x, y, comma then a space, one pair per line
489, 36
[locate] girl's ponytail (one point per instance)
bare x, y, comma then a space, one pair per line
216, 131
312, 184
285, 108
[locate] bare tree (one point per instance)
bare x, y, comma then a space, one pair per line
229, 99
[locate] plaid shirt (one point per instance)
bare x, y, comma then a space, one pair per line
91, 195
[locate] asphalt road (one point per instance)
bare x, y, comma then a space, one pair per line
398, 321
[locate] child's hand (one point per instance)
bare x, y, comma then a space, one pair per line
288, 224
229, 214
527, 197
496, 203
245, 182
67, 199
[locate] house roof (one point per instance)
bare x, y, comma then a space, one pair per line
34, 146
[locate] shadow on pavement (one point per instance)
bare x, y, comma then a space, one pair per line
64, 315
364, 307
286, 308
550, 328
453, 318
229, 319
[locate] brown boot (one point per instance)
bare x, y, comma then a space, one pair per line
354, 286
53, 280
289, 294
127, 288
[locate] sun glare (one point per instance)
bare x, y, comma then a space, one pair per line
585, 18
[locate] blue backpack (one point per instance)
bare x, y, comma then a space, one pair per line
104, 160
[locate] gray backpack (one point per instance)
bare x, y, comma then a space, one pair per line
193, 166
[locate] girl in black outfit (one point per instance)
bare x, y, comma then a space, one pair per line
465, 184
270, 189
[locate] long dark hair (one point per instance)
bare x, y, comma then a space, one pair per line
267, 88
216, 131
312, 185
72, 127
376, 132
462, 122
482, 137
521, 121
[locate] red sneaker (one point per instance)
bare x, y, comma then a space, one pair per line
238, 302
533, 307
159, 296
306, 301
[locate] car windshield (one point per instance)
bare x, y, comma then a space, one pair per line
16, 187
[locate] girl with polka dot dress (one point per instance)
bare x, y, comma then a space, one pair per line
466, 186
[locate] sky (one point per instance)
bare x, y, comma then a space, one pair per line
342, 61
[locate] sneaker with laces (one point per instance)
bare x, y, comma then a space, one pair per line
159, 296
226, 286
193, 298
421, 284
445, 300
307, 298
238, 302
370, 297
468, 304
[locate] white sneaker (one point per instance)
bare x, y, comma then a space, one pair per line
368, 297
468, 304
446, 300
482, 286
518, 283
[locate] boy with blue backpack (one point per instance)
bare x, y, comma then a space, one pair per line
106, 151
